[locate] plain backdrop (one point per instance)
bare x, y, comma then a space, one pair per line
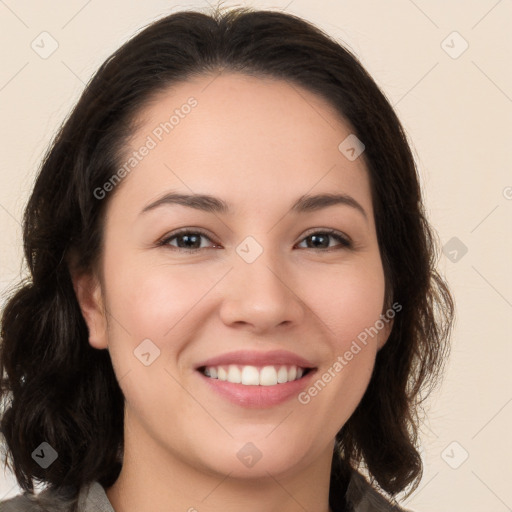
445, 66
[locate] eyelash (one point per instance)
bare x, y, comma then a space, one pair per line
345, 243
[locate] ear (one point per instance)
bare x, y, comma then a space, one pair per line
90, 298
384, 333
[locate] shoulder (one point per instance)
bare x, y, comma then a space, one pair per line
362, 497
92, 498
19, 503
35, 503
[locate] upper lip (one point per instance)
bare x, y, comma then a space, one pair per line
253, 358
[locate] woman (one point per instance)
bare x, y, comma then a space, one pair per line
185, 339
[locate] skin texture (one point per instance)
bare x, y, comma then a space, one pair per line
259, 144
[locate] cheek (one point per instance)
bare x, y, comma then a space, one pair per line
154, 300
348, 300
349, 305
155, 303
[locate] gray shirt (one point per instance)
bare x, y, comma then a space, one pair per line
360, 497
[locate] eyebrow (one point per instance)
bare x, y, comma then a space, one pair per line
212, 204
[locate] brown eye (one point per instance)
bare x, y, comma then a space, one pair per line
320, 239
187, 240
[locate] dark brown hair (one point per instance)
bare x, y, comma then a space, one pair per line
56, 388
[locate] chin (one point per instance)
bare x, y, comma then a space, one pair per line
257, 459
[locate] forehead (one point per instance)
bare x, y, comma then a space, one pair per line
238, 137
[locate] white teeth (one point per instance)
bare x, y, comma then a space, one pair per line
250, 376
282, 375
268, 376
234, 374
254, 376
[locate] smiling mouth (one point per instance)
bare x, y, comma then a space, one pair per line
249, 375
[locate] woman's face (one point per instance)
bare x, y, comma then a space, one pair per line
265, 287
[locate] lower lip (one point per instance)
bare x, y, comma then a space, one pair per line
258, 396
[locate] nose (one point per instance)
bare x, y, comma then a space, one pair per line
261, 295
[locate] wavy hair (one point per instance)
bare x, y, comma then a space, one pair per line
56, 388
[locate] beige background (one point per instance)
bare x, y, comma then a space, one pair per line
457, 112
